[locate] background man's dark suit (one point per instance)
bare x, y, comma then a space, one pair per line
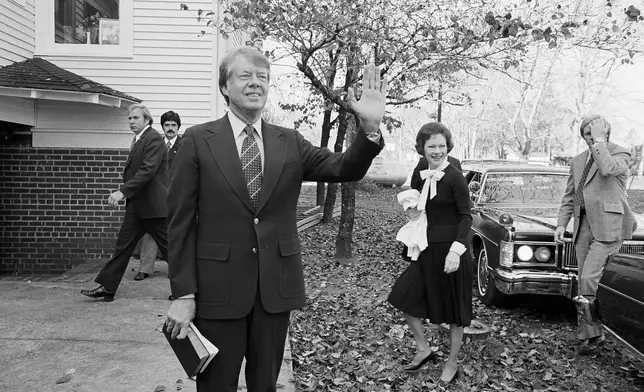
172, 152
145, 186
231, 251
148, 245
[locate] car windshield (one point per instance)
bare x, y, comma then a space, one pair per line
519, 188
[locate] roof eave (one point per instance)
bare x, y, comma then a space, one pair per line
67, 96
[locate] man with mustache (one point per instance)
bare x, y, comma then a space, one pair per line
171, 122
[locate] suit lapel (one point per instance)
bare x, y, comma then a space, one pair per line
610, 147
134, 150
591, 172
579, 166
274, 156
223, 148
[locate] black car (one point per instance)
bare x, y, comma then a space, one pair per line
621, 299
514, 213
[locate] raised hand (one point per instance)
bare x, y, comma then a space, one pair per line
371, 106
598, 129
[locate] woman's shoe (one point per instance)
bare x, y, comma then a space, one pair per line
454, 377
414, 368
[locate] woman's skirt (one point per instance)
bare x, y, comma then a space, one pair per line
424, 290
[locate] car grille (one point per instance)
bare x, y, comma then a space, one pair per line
632, 249
569, 259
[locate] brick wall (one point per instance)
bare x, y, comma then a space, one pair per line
53, 211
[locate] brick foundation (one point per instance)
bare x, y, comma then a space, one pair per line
53, 212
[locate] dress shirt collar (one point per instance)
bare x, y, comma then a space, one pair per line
140, 134
238, 125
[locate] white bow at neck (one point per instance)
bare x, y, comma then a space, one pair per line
431, 178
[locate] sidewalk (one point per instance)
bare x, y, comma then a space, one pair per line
47, 328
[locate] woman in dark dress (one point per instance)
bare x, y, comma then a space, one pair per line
439, 285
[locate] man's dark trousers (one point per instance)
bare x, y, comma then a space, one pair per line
131, 231
260, 336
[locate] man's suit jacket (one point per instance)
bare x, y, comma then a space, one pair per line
172, 152
423, 164
221, 248
607, 209
145, 177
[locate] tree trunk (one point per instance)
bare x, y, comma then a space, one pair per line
439, 112
344, 239
334, 57
324, 142
329, 202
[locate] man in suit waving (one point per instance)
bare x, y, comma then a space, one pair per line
235, 256
171, 122
145, 190
595, 195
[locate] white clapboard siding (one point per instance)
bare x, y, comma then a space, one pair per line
18, 110
171, 69
17, 40
83, 125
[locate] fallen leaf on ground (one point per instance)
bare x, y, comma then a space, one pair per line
64, 379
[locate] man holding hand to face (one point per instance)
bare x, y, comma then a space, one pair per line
595, 196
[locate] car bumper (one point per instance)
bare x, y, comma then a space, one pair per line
534, 282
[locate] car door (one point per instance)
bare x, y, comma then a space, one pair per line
621, 297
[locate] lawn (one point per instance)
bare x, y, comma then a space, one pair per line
348, 338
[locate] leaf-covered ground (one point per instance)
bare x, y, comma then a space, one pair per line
349, 338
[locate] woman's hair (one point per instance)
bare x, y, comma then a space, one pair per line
427, 131
590, 118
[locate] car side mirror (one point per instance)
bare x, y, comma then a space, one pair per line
474, 187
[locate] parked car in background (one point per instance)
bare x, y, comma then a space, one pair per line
514, 213
621, 298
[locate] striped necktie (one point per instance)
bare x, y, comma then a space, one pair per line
251, 161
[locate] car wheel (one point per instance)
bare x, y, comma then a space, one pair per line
487, 291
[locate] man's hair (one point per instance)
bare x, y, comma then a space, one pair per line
144, 109
430, 129
250, 53
171, 116
588, 119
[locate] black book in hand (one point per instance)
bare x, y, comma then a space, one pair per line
194, 352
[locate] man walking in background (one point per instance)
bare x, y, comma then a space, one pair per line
171, 122
145, 191
596, 197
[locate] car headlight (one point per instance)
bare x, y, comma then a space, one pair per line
542, 254
525, 253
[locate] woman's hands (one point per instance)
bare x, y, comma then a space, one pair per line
412, 213
452, 262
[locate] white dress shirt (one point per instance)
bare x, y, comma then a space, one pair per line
171, 141
238, 127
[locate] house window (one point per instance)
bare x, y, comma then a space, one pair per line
84, 28
14, 134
